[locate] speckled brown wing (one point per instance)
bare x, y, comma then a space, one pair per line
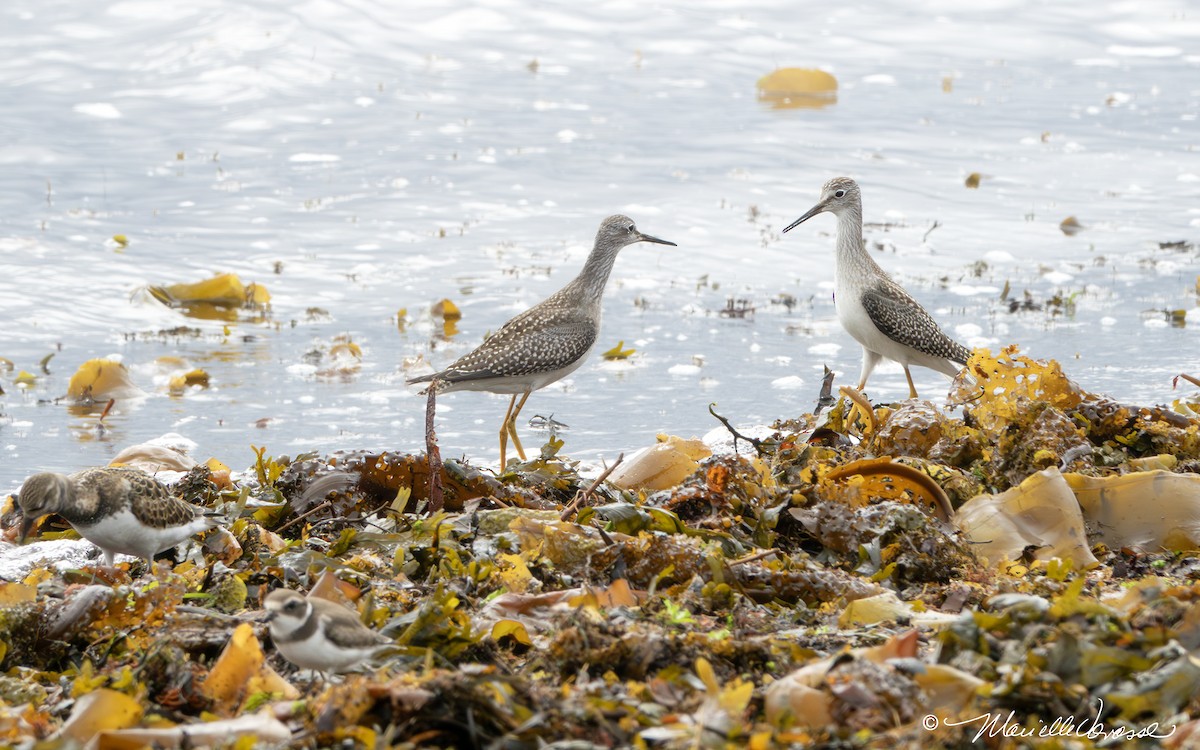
901, 318
524, 346
148, 499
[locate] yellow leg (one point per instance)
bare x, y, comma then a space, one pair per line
512, 424
504, 431
912, 389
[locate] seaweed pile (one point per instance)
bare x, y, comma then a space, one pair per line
1018, 570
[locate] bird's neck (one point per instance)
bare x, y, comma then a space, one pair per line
592, 279
854, 265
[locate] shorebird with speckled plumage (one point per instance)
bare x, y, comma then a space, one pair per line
873, 308
118, 509
548, 341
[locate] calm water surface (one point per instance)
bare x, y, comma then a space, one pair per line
361, 158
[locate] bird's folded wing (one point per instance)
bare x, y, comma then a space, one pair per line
514, 352
350, 633
902, 319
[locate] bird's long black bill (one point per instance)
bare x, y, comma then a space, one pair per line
26, 527
811, 213
648, 238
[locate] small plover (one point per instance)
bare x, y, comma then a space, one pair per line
315, 633
118, 509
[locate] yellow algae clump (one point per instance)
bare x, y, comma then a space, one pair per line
217, 298
1006, 383
257, 294
1071, 226
224, 289
618, 352
450, 315
100, 380
446, 310
795, 88
180, 383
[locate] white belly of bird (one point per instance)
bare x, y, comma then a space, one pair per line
520, 384
316, 652
123, 533
858, 324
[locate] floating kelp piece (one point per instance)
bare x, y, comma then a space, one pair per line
1070, 226
218, 298
618, 352
798, 88
99, 380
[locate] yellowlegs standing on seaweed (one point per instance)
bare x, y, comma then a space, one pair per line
546, 342
873, 308
118, 509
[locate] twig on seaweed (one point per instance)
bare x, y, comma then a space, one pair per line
825, 398
302, 516
587, 494
432, 454
936, 224
752, 558
361, 521
736, 435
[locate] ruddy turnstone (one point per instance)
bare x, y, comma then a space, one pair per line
315, 633
117, 509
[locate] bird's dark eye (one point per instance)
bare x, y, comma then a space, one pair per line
632, 228
294, 606
840, 194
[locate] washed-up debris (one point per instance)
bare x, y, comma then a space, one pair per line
898, 575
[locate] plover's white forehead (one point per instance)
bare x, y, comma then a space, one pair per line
279, 599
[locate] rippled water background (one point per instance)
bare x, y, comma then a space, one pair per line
361, 158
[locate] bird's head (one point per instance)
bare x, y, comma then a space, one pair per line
619, 231
286, 609
839, 194
41, 494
